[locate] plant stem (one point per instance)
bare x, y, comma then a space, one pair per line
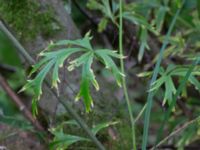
175, 132
140, 113
123, 79
31, 61
18, 102
153, 79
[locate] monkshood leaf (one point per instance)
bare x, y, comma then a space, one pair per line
82, 43
53, 60
88, 77
105, 56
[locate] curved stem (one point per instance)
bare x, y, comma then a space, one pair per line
124, 80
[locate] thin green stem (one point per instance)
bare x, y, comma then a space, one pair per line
124, 80
140, 113
153, 79
175, 132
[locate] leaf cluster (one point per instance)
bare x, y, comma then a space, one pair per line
53, 60
169, 76
62, 140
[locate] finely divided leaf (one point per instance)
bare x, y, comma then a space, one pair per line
84, 43
105, 56
87, 77
55, 59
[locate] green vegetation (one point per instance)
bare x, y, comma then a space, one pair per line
155, 64
28, 19
56, 59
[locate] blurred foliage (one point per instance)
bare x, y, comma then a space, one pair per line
9, 113
7, 52
62, 141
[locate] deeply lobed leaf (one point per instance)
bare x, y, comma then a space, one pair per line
53, 60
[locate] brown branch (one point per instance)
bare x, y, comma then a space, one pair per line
20, 104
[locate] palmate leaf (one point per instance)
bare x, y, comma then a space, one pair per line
53, 60
166, 80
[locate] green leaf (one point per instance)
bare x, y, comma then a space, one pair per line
102, 24
105, 56
94, 5
160, 17
158, 83
169, 90
63, 141
143, 43
80, 60
36, 83
138, 20
195, 82
34, 106
102, 6
55, 76
101, 126
87, 77
38, 65
107, 10
52, 60
84, 43
172, 104
109, 52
